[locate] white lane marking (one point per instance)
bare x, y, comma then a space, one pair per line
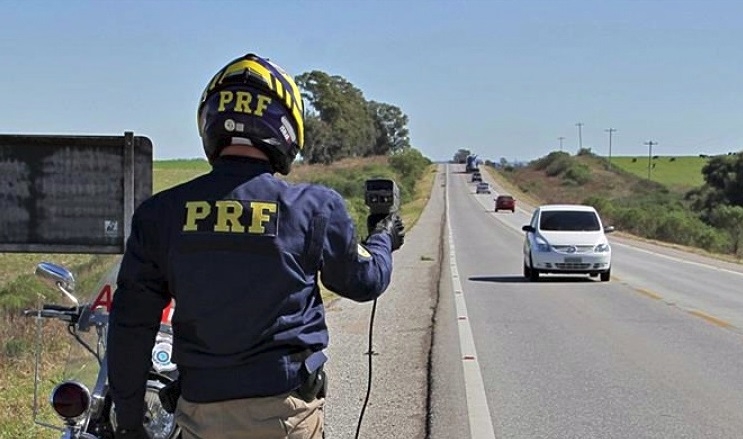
675, 259
481, 425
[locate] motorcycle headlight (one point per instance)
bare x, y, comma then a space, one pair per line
602, 248
70, 400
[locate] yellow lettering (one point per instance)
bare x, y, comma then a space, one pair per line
259, 214
263, 102
228, 216
225, 97
243, 102
195, 210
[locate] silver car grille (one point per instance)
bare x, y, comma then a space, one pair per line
578, 248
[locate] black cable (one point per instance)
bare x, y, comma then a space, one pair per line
87, 347
369, 380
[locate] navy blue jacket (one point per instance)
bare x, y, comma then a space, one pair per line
240, 251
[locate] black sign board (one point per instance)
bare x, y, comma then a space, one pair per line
71, 194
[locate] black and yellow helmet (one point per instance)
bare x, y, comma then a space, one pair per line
253, 101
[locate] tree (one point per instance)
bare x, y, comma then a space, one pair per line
342, 125
316, 139
730, 219
391, 128
724, 174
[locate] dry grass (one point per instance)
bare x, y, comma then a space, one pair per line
302, 172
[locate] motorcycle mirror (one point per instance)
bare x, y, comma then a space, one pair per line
58, 276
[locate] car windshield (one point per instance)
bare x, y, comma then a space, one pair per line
569, 220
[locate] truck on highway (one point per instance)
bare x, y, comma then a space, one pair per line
473, 163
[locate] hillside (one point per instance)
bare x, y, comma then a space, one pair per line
561, 178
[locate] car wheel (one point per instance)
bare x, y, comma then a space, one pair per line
527, 271
533, 272
606, 275
496, 209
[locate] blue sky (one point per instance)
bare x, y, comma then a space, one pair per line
502, 78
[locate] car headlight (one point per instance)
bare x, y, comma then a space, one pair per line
602, 248
541, 245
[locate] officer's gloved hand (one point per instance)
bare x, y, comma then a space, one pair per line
131, 433
393, 225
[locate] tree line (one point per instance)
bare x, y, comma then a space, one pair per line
719, 202
341, 123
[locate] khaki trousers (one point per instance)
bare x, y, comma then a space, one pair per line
275, 417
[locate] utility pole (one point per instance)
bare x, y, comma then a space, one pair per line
650, 144
610, 130
560, 139
580, 135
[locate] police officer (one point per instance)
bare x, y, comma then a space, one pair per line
241, 252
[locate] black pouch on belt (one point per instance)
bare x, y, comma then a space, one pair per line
315, 386
169, 395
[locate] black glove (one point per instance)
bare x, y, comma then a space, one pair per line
131, 433
393, 225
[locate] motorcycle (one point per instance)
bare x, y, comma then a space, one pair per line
81, 398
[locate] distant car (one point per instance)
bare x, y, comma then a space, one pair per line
482, 188
476, 177
505, 202
566, 238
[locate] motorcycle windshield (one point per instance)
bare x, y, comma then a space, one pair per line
83, 362
90, 347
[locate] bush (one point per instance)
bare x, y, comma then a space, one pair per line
409, 165
406, 168
603, 206
558, 166
578, 173
542, 163
711, 240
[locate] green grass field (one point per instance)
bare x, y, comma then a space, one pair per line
677, 173
168, 173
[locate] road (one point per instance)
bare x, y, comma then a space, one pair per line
464, 347
655, 353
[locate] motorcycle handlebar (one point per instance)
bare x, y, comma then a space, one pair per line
54, 312
53, 307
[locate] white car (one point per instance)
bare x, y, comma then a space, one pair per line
482, 188
568, 239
